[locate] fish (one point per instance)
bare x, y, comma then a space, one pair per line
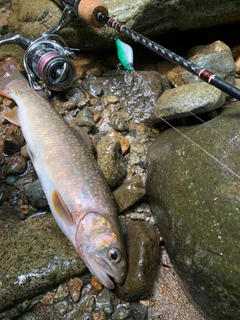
125, 54
76, 190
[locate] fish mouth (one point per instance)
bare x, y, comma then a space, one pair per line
103, 272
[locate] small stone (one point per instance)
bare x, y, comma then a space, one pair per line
119, 124
121, 312
70, 105
104, 301
111, 99
74, 94
97, 117
61, 307
83, 103
62, 293
123, 141
138, 312
110, 159
48, 298
144, 303
85, 118
98, 315
24, 152
35, 195
16, 165
74, 286
133, 159
13, 140
96, 285
94, 72
129, 193
96, 90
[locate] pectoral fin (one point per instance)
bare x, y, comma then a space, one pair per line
61, 208
12, 116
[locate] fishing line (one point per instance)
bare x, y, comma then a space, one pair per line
198, 146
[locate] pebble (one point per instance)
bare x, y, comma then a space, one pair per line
98, 315
24, 152
119, 124
16, 165
74, 286
123, 141
96, 285
13, 140
35, 195
48, 298
110, 159
62, 293
104, 301
110, 99
85, 119
96, 90
74, 93
138, 312
121, 312
129, 193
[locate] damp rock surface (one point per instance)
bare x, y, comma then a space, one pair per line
28, 263
195, 200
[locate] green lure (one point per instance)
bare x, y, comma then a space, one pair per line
125, 54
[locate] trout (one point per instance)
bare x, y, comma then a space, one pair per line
77, 193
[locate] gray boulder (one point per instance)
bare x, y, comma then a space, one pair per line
196, 202
151, 18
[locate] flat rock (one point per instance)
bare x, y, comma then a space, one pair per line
34, 256
195, 201
183, 100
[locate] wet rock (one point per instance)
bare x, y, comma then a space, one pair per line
98, 315
129, 193
142, 242
74, 286
196, 204
61, 307
153, 18
35, 195
138, 312
75, 94
85, 119
48, 298
13, 140
96, 89
121, 312
110, 159
34, 255
123, 141
216, 46
94, 72
220, 63
236, 56
119, 124
96, 285
181, 101
62, 293
16, 165
104, 301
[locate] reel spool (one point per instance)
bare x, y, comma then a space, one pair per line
49, 60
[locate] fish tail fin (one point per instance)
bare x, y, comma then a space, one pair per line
9, 72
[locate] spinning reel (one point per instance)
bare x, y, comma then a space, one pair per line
48, 58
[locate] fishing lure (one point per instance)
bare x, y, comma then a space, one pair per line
125, 54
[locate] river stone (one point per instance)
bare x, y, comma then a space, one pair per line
35, 256
35, 195
181, 101
13, 140
110, 159
220, 63
149, 17
195, 201
143, 256
129, 193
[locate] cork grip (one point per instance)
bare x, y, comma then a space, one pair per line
88, 10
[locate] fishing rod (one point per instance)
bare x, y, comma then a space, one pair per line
96, 14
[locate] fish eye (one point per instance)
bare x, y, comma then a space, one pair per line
114, 255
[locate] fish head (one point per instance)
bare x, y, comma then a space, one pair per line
99, 242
